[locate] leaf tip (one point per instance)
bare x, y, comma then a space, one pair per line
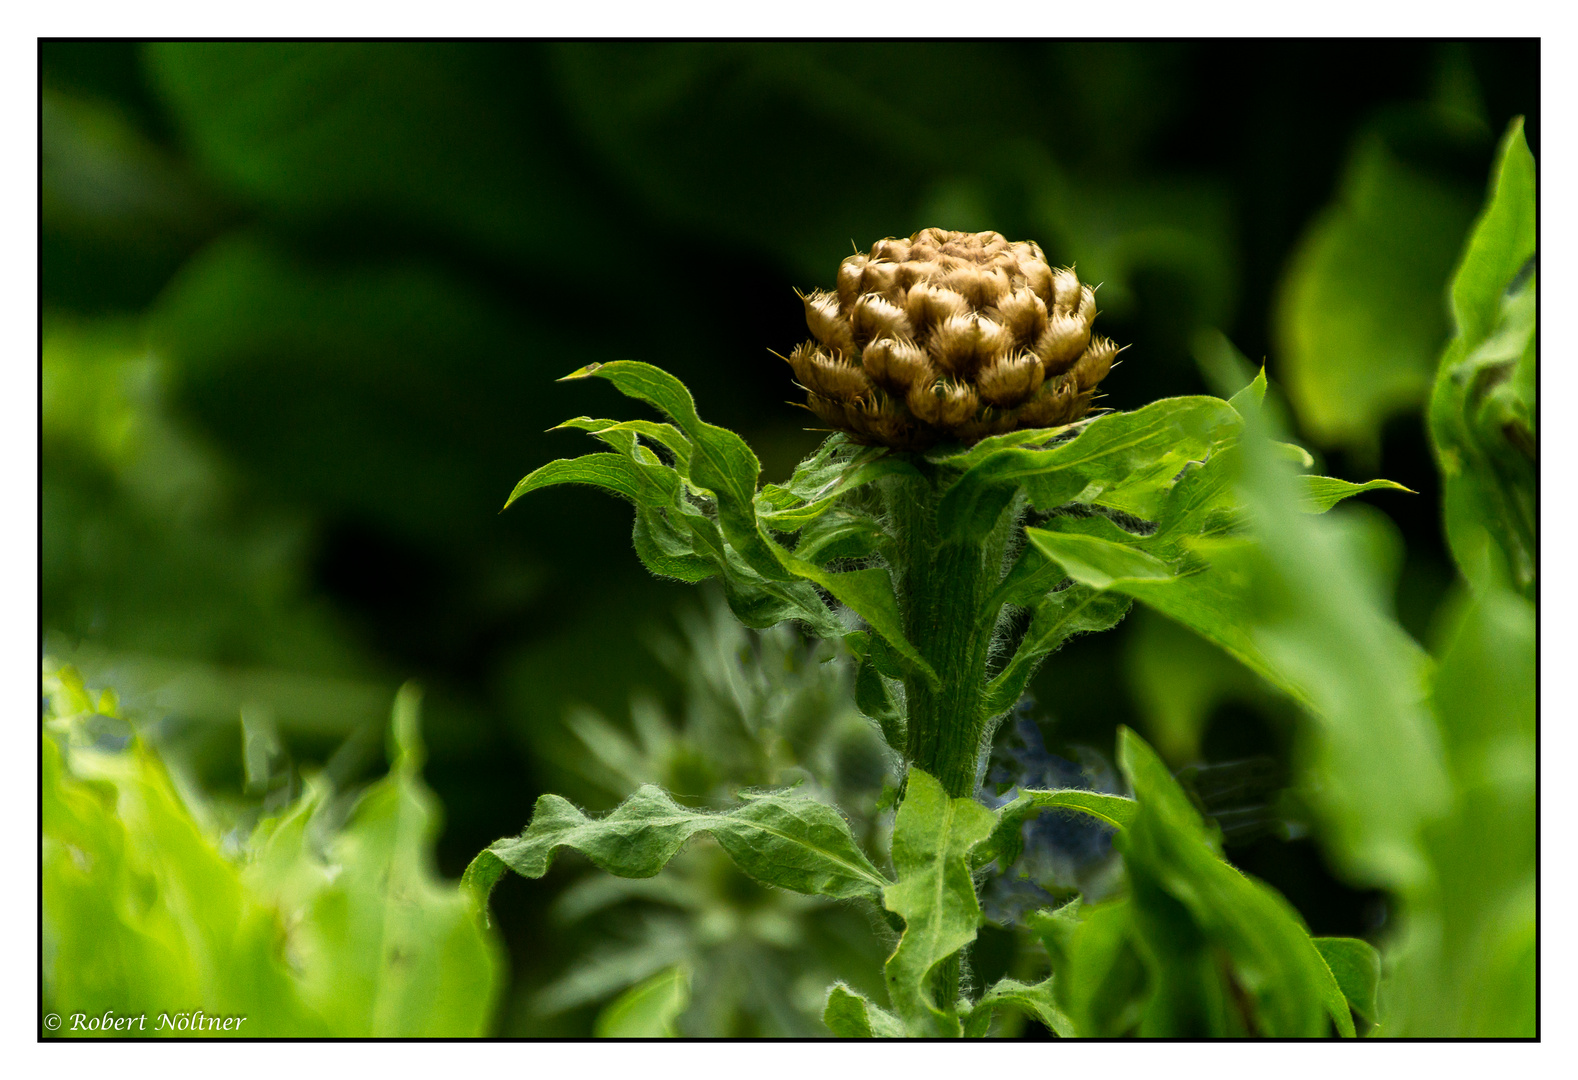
581, 373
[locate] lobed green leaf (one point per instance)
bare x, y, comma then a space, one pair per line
933, 836
789, 841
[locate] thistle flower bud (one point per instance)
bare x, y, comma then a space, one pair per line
950, 336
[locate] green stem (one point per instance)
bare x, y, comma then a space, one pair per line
943, 588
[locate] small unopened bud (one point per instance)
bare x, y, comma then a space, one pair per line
950, 336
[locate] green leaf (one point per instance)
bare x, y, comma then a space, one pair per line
933, 836
1119, 459
721, 461
1359, 320
138, 894
644, 485
874, 698
1100, 981
1357, 968
1321, 493
1186, 898
1006, 839
619, 433
784, 840
1095, 562
1212, 600
1467, 966
1035, 1000
1253, 395
1057, 618
1373, 769
869, 594
1502, 240
1483, 409
386, 947
649, 1010
825, 479
849, 1015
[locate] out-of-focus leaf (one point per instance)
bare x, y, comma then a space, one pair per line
647, 1011
387, 949
850, 1016
933, 836
1357, 968
140, 900
1359, 320
1174, 868
1101, 982
142, 915
1482, 412
1178, 679
1465, 963
784, 840
318, 130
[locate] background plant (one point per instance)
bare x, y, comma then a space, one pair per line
308, 913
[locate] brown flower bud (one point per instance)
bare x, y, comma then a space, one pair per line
950, 336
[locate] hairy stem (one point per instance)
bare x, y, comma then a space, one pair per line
943, 588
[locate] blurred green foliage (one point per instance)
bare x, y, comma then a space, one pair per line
316, 916
302, 303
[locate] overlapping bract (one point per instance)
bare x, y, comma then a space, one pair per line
950, 336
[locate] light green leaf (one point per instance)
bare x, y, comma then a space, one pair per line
1036, 1000
784, 840
1095, 562
642, 484
359, 940
1253, 395
386, 947
1357, 968
1360, 320
849, 1015
649, 1010
1212, 600
618, 433
1502, 239
933, 836
1466, 964
1119, 459
1372, 764
1483, 409
1006, 839
1321, 493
